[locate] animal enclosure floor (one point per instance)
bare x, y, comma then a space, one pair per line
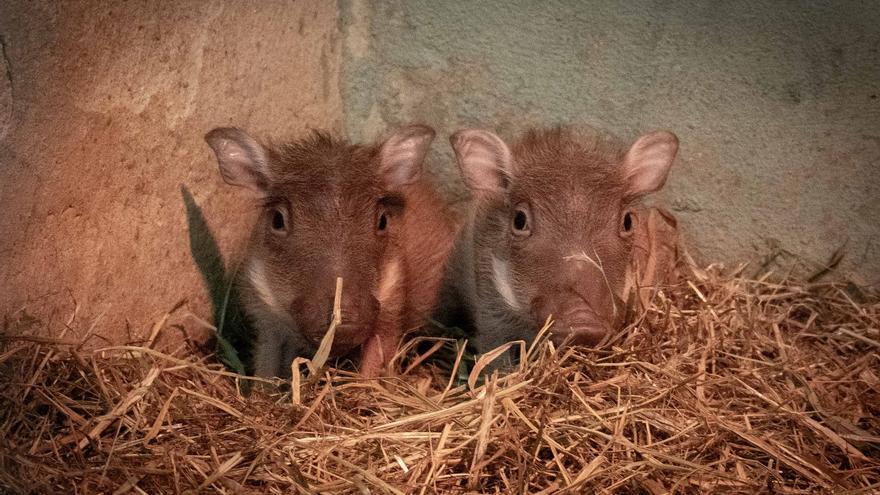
725, 385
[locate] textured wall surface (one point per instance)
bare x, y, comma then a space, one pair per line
777, 104
103, 106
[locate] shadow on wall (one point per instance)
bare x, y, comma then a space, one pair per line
233, 335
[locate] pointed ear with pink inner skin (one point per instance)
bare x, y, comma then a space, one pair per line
402, 155
647, 163
484, 160
242, 159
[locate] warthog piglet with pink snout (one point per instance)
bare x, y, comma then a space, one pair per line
550, 231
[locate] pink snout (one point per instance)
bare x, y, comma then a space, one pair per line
358, 319
574, 320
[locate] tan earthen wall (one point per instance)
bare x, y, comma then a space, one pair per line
103, 106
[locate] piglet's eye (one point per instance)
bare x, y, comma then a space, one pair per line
278, 221
627, 223
520, 220
382, 223
521, 223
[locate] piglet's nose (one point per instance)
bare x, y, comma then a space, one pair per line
357, 311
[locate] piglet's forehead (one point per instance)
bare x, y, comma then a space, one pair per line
322, 160
562, 163
328, 189
326, 177
565, 144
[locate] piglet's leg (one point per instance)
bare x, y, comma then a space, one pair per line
378, 350
268, 355
375, 354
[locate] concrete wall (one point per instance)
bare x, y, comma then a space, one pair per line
777, 104
103, 106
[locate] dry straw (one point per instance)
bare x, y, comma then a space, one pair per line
725, 385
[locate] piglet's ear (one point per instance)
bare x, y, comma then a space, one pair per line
242, 159
648, 161
402, 155
484, 160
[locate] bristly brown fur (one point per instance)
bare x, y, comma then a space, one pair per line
321, 158
588, 157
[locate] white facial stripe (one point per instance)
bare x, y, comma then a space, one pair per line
389, 280
257, 276
501, 279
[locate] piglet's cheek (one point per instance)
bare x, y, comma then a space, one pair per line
541, 310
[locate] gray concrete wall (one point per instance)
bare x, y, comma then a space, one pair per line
777, 104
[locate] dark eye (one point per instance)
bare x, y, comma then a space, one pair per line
520, 220
627, 222
383, 222
279, 222
521, 223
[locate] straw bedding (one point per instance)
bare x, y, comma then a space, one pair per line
726, 385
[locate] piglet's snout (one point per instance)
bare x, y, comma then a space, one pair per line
579, 326
358, 313
574, 321
585, 308
358, 317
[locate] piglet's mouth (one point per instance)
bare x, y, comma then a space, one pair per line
581, 328
346, 337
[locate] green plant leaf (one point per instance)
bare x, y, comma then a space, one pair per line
234, 336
